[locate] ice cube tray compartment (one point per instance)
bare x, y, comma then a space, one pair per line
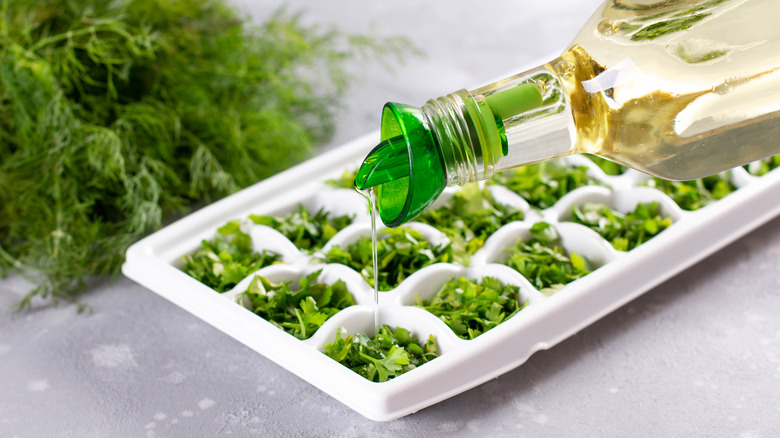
462, 364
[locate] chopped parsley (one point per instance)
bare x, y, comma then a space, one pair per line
309, 233
544, 261
469, 218
298, 312
471, 308
695, 194
400, 251
623, 231
226, 259
762, 167
543, 184
389, 354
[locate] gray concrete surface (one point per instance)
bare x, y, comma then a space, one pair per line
698, 355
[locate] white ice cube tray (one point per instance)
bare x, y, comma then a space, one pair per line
155, 261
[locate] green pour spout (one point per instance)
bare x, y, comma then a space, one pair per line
388, 161
407, 169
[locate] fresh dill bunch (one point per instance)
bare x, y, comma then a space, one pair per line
116, 113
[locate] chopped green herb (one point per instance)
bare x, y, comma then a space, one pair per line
694, 55
226, 259
346, 181
665, 27
400, 251
543, 184
609, 167
306, 232
695, 194
762, 167
671, 20
470, 308
623, 231
544, 261
298, 312
469, 218
389, 354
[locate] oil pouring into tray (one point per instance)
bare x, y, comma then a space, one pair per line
477, 241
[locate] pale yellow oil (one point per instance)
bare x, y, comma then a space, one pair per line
679, 89
370, 195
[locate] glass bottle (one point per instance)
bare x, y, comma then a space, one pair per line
677, 89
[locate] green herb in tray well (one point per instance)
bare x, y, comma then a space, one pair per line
298, 312
609, 167
115, 114
308, 233
400, 251
471, 308
623, 231
345, 181
226, 259
469, 218
389, 354
543, 184
762, 167
544, 261
695, 194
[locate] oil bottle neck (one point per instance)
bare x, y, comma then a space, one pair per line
457, 133
518, 120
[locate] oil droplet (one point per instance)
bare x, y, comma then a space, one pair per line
607, 27
564, 69
724, 88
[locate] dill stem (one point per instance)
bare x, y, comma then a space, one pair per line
85, 31
14, 261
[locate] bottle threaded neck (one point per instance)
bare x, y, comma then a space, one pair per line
519, 120
456, 132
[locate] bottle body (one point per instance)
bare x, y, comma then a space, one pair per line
680, 90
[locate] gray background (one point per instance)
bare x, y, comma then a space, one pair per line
697, 356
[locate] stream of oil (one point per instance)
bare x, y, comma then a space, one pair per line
369, 194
